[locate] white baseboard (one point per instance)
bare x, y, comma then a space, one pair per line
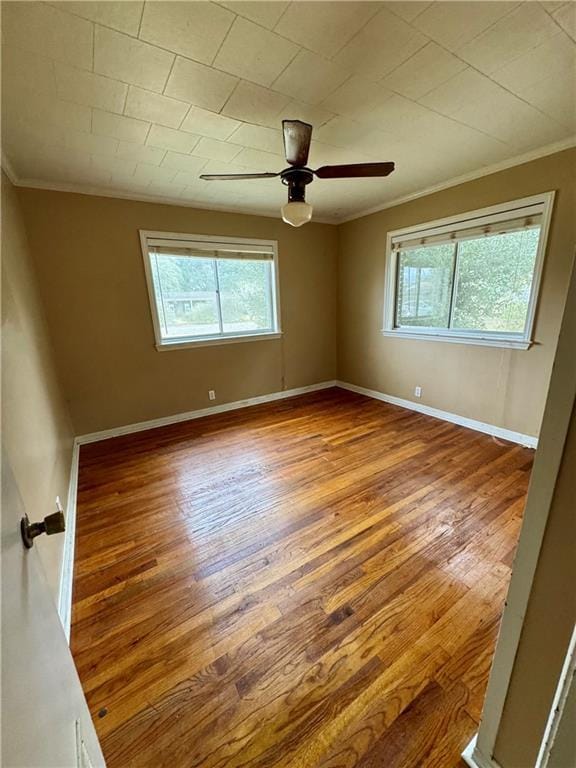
128, 429
490, 429
475, 759
67, 572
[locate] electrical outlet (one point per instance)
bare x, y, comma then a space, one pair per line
418, 392
59, 504
211, 394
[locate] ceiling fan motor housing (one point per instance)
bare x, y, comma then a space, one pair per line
296, 180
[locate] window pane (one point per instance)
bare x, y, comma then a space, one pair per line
494, 278
245, 295
186, 296
424, 286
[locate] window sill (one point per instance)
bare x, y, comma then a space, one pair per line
212, 341
483, 341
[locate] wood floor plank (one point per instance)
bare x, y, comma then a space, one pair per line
418, 736
311, 583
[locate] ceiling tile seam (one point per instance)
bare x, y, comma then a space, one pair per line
451, 118
422, 106
276, 93
379, 80
508, 63
169, 75
151, 45
269, 31
560, 27
232, 92
284, 12
128, 117
185, 58
241, 146
125, 101
551, 13
271, 86
176, 56
63, 9
351, 76
405, 61
105, 77
349, 40
161, 96
141, 20
492, 80
189, 110
330, 59
300, 46
454, 53
93, 45
213, 65
495, 23
390, 8
489, 76
92, 71
226, 36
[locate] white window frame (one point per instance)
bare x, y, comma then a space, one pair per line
492, 214
163, 344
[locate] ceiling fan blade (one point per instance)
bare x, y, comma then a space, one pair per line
354, 171
297, 137
235, 176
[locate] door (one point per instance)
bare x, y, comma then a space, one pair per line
45, 719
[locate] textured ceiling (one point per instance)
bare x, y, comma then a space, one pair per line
140, 98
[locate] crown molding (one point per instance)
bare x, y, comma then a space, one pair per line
141, 198
487, 170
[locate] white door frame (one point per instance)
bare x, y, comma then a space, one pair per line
557, 414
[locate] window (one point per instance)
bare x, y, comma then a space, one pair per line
469, 279
206, 290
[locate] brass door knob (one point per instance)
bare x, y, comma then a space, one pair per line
51, 524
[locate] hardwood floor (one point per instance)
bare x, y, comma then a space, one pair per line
314, 582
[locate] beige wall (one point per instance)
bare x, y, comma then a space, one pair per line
36, 429
503, 387
91, 273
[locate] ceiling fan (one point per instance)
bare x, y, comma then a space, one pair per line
297, 137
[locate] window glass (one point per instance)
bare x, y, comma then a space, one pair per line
245, 295
210, 297
474, 285
425, 286
186, 296
494, 279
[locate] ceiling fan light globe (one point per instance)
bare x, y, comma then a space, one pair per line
296, 213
